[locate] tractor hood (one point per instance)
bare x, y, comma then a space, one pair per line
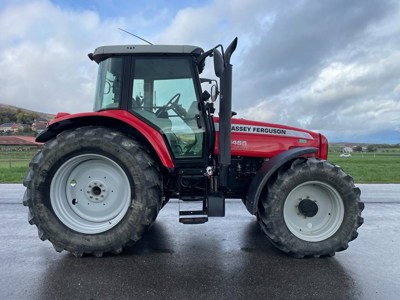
261, 139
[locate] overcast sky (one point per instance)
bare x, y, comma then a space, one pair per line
330, 66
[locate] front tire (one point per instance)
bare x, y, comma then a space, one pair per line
311, 209
92, 190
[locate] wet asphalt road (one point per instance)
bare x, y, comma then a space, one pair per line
226, 258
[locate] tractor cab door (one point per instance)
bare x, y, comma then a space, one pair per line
165, 94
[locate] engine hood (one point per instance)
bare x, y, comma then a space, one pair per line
262, 139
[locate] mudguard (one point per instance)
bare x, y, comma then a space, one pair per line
118, 119
267, 170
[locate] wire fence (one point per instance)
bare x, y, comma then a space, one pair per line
14, 163
15, 159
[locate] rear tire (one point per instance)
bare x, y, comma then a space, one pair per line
311, 209
92, 190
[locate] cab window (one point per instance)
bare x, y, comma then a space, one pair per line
108, 89
164, 95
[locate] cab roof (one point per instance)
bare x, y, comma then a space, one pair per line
103, 52
131, 49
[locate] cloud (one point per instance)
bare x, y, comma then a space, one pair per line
44, 62
40, 46
303, 38
324, 74
330, 66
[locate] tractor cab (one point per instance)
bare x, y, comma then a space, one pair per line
159, 85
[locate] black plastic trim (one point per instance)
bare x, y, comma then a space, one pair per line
267, 170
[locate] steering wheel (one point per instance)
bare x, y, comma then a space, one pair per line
170, 104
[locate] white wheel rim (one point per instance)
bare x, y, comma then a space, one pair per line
90, 193
327, 219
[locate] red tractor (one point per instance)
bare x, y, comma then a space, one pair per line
102, 177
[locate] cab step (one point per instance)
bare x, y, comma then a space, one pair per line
193, 217
196, 210
192, 210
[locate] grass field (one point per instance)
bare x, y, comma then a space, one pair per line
370, 167
14, 165
380, 167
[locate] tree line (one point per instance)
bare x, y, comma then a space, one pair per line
17, 116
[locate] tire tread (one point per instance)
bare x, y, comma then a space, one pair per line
83, 138
284, 241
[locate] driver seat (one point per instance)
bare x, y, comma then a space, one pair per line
165, 124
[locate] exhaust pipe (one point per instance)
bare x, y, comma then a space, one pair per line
225, 114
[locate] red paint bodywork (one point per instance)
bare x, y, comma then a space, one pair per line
152, 135
251, 143
248, 143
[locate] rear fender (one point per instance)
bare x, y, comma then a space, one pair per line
267, 169
120, 120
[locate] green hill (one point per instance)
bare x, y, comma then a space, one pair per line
13, 114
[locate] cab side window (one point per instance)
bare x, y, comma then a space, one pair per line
164, 95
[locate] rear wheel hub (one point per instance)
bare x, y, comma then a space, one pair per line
96, 191
308, 208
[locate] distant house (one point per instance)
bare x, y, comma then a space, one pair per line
39, 126
17, 127
13, 127
347, 149
6, 127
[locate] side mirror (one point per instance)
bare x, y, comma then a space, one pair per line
219, 65
214, 92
